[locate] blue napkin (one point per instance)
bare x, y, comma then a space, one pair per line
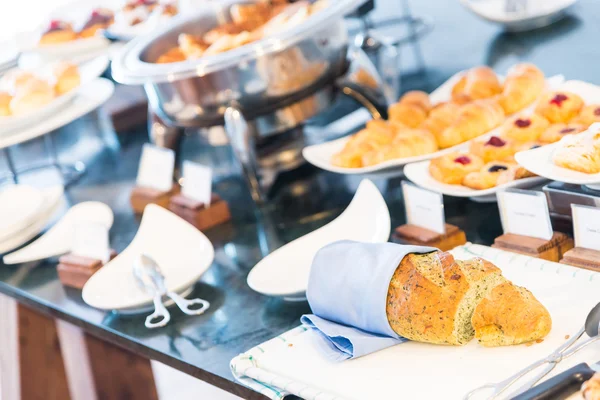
347, 292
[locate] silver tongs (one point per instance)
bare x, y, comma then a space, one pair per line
493, 390
149, 278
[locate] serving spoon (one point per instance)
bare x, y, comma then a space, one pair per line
493, 390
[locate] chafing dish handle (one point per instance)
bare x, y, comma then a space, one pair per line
366, 97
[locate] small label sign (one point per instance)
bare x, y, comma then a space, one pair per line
424, 208
91, 240
197, 182
156, 168
586, 226
525, 213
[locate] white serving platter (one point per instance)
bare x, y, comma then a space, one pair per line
419, 173
20, 205
292, 364
89, 71
284, 273
182, 252
320, 155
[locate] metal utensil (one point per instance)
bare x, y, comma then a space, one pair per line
150, 278
591, 328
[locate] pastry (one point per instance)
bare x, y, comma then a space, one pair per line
5, 99
589, 115
510, 315
57, 32
477, 83
525, 129
190, 46
411, 110
473, 120
440, 117
408, 143
590, 390
35, 94
434, 298
453, 167
101, 18
66, 76
578, 153
523, 85
16, 79
559, 106
557, 131
487, 177
494, 148
358, 145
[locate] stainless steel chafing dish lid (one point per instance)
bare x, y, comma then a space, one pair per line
129, 66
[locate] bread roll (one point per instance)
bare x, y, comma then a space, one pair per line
435, 299
66, 76
523, 85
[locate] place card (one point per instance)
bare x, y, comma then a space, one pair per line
156, 168
586, 226
424, 208
91, 240
197, 182
525, 213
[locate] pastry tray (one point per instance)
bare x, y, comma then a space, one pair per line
290, 364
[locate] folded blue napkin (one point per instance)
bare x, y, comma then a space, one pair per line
347, 292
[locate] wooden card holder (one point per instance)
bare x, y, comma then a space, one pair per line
551, 250
197, 214
141, 197
582, 258
413, 234
74, 270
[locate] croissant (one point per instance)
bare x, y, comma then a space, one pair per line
477, 83
523, 85
362, 142
441, 117
408, 143
411, 110
5, 99
474, 120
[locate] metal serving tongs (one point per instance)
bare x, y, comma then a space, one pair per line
494, 390
149, 277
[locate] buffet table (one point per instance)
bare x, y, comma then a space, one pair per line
302, 201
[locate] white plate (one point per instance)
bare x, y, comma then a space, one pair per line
89, 71
320, 154
73, 47
182, 252
19, 206
539, 161
413, 370
284, 273
88, 98
52, 202
419, 173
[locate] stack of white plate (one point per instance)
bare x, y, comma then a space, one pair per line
24, 212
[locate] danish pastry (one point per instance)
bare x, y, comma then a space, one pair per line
559, 106
453, 167
67, 77
35, 94
58, 32
588, 115
557, 131
493, 149
101, 18
411, 110
487, 177
525, 129
523, 85
5, 99
473, 120
477, 83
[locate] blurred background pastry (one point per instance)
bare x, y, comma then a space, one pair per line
100, 18
34, 94
5, 99
57, 32
478, 83
67, 77
589, 115
523, 85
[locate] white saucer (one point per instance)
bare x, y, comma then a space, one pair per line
182, 252
19, 206
88, 98
52, 203
284, 273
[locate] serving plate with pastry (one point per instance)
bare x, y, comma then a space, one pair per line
472, 316
469, 105
28, 96
570, 150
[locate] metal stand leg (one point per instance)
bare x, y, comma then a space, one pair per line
11, 165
